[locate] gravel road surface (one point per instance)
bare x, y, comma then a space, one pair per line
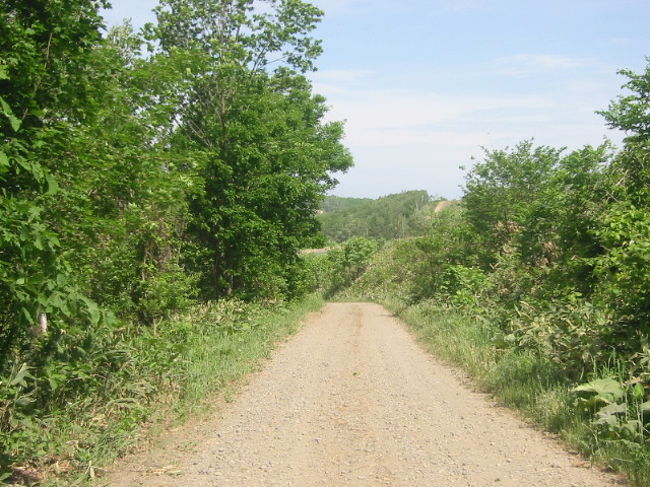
352, 400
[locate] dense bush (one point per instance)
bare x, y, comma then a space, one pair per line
340, 266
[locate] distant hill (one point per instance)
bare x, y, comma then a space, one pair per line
338, 203
393, 216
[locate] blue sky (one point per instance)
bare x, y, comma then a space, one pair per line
423, 85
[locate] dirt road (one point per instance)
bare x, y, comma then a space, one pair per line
352, 400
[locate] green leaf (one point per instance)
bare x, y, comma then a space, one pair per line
52, 184
24, 401
13, 120
21, 375
93, 310
608, 419
27, 315
607, 389
612, 409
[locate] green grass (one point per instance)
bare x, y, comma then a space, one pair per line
171, 374
535, 387
219, 360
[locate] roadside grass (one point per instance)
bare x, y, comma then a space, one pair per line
529, 382
173, 372
535, 387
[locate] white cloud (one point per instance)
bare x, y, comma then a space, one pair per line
392, 117
332, 7
462, 5
621, 41
433, 138
341, 75
524, 65
424, 136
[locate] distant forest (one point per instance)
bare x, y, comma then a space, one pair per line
393, 216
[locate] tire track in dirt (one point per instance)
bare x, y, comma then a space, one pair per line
352, 400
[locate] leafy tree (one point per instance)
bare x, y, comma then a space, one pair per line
46, 50
500, 190
345, 263
534, 213
631, 112
266, 154
625, 228
449, 242
122, 205
44, 90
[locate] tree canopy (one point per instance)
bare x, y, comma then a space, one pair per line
392, 216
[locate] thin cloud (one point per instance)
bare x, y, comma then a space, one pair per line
345, 76
525, 65
333, 7
433, 138
621, 41
342, 6
463, 5
392, 109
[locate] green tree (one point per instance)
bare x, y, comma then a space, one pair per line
631, 112
45, 48
625, 228
266, 154
500, 190
388, 217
